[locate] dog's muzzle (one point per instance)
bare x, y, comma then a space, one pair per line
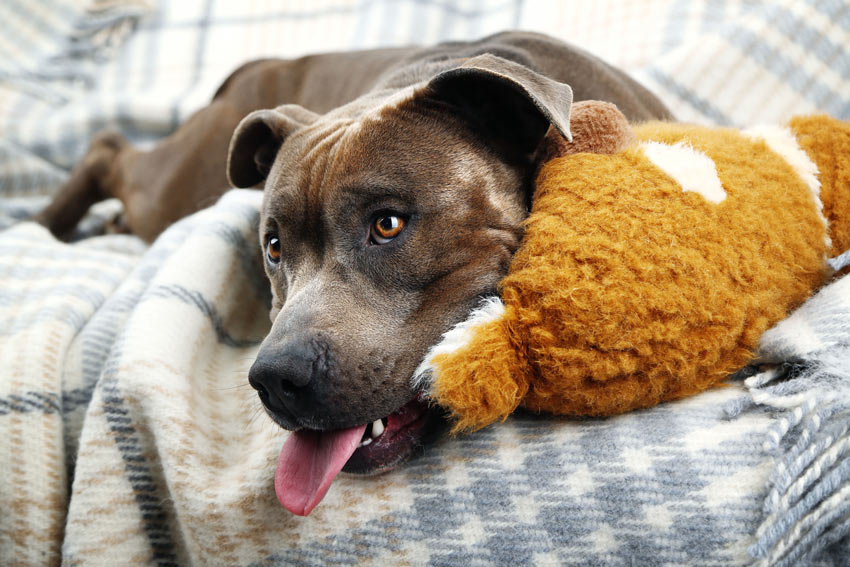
328, 436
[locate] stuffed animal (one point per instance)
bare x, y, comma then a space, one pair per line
653, 260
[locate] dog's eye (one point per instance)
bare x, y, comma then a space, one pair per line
273, 249
386, 227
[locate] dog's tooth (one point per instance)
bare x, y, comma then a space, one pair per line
365, 442
377, 428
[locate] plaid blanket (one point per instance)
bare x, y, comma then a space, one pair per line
128, 434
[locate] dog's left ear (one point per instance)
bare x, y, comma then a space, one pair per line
257, 139
509, 103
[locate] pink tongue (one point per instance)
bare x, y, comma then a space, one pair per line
308, 463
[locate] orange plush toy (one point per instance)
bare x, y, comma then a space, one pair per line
653, 260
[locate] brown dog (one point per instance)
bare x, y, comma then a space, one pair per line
396, 182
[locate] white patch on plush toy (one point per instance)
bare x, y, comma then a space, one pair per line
691, 168
782, 141
457, 337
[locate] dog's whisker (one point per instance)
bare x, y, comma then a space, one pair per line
236, 387
255, 414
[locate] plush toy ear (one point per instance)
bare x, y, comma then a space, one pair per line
597, 127
257, 139
511, 105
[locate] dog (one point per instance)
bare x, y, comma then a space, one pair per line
396, 182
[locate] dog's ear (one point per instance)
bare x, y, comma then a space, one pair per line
512, 105
257, 139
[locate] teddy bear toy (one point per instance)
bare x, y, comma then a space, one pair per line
654, 258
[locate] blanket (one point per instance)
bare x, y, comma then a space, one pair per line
128, 434
807, 507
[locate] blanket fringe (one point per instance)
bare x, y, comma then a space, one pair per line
807, 508
803, 376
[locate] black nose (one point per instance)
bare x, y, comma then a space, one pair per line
281, 374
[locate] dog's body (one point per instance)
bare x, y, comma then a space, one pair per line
396, 182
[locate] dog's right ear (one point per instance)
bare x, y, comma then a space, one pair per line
510, 104
257, 139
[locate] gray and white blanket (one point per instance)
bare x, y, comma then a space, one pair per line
128, 435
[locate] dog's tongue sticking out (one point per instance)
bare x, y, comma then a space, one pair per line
308, 463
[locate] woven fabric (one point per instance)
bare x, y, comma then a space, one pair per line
808, 376
175, 460
127, 432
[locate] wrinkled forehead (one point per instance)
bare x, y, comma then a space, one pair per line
398, 146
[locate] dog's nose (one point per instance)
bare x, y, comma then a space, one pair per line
280, 374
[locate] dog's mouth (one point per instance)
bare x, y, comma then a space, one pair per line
311, 459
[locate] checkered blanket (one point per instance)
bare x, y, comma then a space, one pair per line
128, 435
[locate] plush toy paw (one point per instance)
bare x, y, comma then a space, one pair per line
487, 382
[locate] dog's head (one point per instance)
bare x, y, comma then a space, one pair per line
384, 222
